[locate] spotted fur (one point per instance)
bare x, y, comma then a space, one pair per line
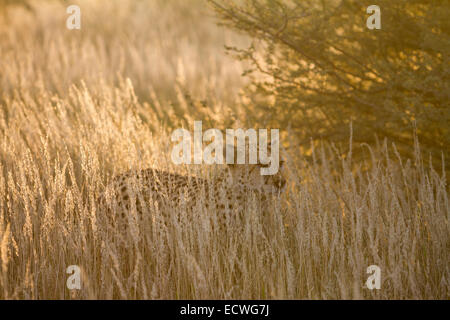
146, 191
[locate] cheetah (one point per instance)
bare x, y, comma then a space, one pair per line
140, 210
141, 193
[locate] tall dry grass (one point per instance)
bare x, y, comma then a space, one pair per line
79, 107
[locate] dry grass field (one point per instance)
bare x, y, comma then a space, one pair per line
78, 107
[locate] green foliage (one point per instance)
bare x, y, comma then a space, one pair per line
323, 68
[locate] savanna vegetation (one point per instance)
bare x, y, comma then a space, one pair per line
364, 123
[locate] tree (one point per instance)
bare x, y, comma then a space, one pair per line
323, 68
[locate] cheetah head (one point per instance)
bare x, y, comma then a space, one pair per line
255, 176
249, 175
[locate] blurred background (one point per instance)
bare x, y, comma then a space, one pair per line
363, 115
